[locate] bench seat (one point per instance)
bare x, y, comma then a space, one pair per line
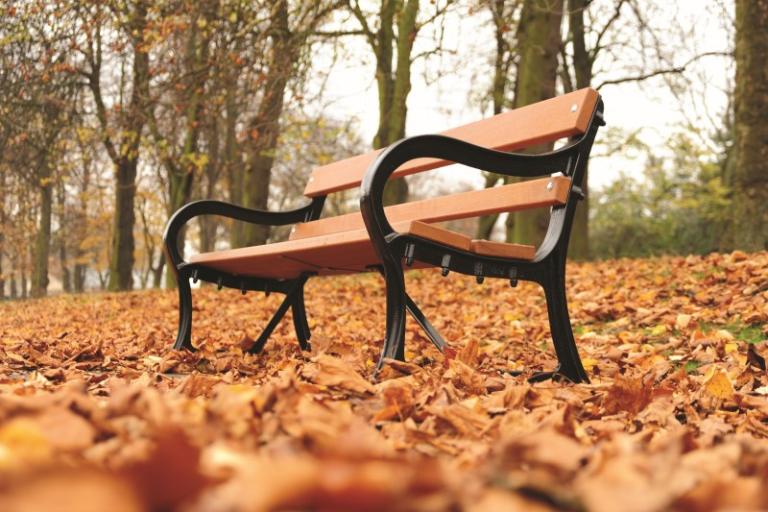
341, 253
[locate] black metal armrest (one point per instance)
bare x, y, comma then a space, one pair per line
232, 211
453, 150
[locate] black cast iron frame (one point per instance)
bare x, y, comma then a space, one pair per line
393, 248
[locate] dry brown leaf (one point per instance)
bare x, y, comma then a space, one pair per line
331, 371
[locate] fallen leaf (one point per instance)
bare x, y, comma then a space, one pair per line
331, 371
717, 384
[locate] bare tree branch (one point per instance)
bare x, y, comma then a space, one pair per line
659, 72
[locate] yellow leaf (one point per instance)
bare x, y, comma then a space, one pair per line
682, 321
731, 347
589, 363
724, 335
658, 330
22, 441
718, 384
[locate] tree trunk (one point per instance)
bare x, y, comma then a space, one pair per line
157, 273
486, 223
121, 259
539, 41
578, 247
23, 281
66, 275
42, 241
2, 236
181, 173
14, 284
62, 235
125, 153
231, 164
208, 223
750, 169
394, 85
2, 276
264, 128
80, 269
79, 277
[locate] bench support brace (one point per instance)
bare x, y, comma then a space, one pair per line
293, 299
433, 334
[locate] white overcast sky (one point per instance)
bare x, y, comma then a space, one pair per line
435, 104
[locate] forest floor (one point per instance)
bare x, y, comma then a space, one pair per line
97, 412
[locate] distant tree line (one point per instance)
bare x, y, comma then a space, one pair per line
114, 113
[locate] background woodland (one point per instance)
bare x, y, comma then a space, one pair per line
115, 113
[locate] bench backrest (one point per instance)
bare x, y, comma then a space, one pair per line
505, 198
547, 121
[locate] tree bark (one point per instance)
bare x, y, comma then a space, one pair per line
539, 42
23, 283
39, 285
501, 65
578, 247
2, 276
231, 165
209, 224
14, 291
2, 234
79, 277
62, 234
181, 170
264, 127
80, 269
125, 156
750, 167
393, 83
121, 259
157, 273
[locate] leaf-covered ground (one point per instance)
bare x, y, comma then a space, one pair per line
97, 413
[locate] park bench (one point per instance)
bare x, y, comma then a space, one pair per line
392, 239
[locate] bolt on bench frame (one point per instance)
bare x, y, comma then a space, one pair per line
547, 268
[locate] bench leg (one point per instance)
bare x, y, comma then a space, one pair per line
560, 327
394, 340
300, 323
184, 336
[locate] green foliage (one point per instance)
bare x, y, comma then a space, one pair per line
679, 205
692, 366
747, 333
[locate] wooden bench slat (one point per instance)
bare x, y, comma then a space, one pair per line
545, 121
334, 253
505, 198
503, 250
434, 233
